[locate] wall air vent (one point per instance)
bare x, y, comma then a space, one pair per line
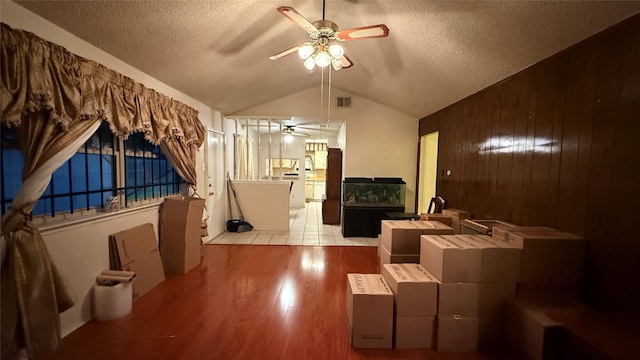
343, 102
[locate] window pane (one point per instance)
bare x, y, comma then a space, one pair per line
79, 202
43, 206
107, 171
148, 172
61, 203
95, 200
139, 171
12, 165
130, 164
94, 171
78, 172
60, 180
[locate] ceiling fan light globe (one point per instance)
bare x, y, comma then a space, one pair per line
336, 51
323, 59
288, 138
305, 51
310, 63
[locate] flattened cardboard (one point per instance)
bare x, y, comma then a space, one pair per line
137, 250
414, 288
457, 333
369, 311
414, 332
180, 231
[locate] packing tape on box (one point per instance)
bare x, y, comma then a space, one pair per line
112, 302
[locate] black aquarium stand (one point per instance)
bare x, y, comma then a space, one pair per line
363, 221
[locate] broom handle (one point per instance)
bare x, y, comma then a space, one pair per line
235, 198
229, 196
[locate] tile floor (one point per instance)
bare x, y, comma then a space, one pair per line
306, 228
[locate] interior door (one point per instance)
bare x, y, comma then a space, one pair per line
428, 170
216, 182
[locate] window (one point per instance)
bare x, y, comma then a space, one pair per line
97, 173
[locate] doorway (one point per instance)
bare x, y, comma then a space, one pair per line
428, 170
215, 185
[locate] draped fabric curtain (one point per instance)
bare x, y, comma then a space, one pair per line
241, 157
57, 100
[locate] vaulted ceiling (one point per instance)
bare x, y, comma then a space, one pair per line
437, 52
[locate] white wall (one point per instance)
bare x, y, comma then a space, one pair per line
377, 141
81, 251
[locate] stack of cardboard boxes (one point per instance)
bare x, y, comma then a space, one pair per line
416, 302
478, 278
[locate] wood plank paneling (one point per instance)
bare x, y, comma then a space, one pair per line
558, 145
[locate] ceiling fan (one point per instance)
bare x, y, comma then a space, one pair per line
322, 49
290, 130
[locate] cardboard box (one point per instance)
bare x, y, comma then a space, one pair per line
447, 261
180, 242
456, 333
369, 311
493, 296
136, 250
491, 329
501, 232
500, 260
434, 228
550, 257
456, 217
446, 220
401, 237
387, 258
530, 331
415, 289
414, 332
458, 299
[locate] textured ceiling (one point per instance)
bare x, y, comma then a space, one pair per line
437, 52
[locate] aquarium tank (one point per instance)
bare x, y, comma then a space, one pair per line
373, 192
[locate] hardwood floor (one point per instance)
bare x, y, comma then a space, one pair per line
245, 302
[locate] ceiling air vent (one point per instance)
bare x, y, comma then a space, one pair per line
343, 102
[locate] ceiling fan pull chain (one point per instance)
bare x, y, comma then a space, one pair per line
329, 97
321, 88
323, 3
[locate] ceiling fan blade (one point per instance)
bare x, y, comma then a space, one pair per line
366, 32
286, 52
295, 16
346, 62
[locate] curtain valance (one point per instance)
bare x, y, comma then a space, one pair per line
38, 75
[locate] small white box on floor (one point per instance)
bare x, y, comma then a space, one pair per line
415, 289
369, 311
414, 332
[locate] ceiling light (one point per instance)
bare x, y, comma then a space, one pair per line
288, 138
336, 51
305, 51
323, 59
310, 63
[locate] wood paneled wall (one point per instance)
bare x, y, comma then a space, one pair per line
558, 144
